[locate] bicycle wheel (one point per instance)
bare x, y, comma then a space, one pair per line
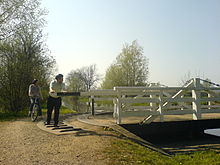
34, 113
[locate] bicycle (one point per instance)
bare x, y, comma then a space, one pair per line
35, 110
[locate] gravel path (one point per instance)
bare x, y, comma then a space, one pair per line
22, 142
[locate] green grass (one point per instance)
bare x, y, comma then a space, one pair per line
7, 116
63, 110
126, 152
67, 111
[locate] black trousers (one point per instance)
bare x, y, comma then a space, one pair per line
53, 104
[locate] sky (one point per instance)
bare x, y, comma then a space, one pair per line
179, 37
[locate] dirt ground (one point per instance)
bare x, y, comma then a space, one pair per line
22, 142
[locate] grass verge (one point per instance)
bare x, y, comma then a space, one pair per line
63, 111
126, 152
8, 116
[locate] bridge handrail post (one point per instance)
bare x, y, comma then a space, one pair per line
153, 105
115, 108
209, 102
196, 104
118, 106
161, 106
92, 105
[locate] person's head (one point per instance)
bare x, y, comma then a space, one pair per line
59, 78
34, 81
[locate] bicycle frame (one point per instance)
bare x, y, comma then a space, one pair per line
35, 109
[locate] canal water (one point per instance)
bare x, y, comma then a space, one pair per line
177, 135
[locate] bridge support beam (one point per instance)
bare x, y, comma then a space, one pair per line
118, 107
196, 104
161, 106
92, 105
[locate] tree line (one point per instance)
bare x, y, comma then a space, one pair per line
24, 56
23, 52
129, 69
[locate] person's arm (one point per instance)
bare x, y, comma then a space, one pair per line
52, 90
30, 91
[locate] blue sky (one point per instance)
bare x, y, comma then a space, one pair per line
178, 36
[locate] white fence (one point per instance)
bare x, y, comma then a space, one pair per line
103, 96
152, 102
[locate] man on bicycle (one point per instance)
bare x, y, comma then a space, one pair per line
54, 101
35, 95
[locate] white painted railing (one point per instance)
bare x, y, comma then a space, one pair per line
193, 99
152, 102
97, 96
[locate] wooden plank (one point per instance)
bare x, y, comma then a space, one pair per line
138, 107
210, 110
178, 112
210, 106
146, 100
179, 99
104, 108
138, 113
175, 107
154, 88
181, 103
210, 88
210, 99
178, 95
104, 98
141, 93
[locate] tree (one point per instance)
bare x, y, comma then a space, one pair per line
130, 68
14, 13
24, 56
74, 83
83, 79
80, 80
88, 75
113, 77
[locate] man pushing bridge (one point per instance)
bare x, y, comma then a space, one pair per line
54, 101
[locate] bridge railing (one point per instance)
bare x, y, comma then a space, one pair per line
100, 100
153, 102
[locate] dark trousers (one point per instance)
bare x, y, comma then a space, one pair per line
33, 99
53, 104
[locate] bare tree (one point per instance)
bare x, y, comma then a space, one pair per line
79, 80
189, 76
89, 76
83, 79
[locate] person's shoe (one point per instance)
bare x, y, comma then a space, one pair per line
46, 123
